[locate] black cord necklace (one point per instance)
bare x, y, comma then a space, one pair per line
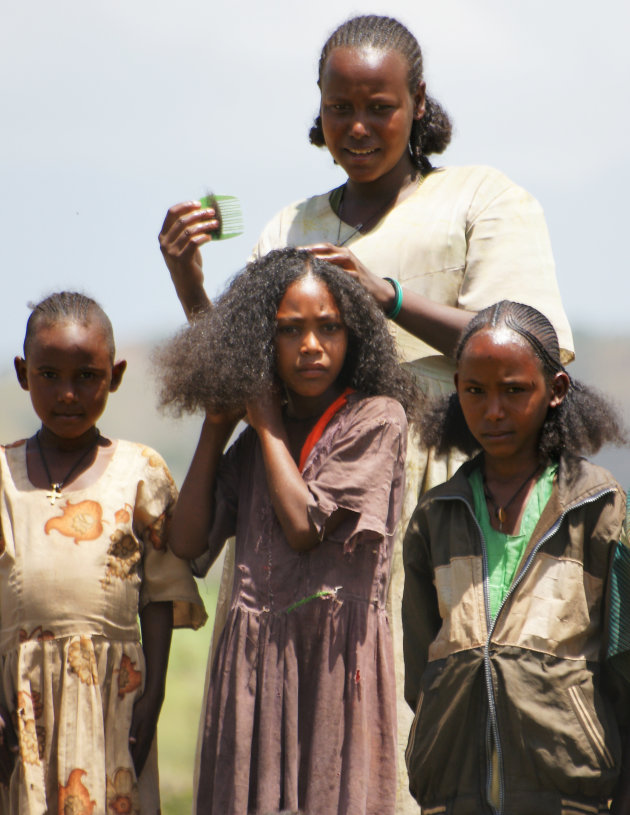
374, 217
56, 486
500, 512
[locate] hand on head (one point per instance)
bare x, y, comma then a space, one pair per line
342, 257
265, 412
227, 421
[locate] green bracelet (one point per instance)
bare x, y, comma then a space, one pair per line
395, 310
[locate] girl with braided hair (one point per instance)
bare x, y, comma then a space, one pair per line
506, 606
432, 245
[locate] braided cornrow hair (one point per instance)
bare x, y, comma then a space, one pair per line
526, 321
64, 307
580, 425
432, 133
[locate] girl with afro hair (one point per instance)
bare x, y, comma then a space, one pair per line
300, 709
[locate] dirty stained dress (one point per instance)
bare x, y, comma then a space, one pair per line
74, 573
300, 711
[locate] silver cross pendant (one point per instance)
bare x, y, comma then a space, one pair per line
55, 492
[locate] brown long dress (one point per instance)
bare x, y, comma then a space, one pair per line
300, 712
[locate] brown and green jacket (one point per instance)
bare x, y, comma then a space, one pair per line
529, 688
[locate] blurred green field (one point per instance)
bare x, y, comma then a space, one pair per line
177, 729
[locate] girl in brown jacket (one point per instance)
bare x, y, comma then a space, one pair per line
505, 609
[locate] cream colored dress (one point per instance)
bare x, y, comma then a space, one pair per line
73, 577
466, 237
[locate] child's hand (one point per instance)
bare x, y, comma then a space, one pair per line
186, 228
144, 721
265, 412
8, 746
225, 419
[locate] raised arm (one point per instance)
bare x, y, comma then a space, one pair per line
194, 512
187, 227
287, 489
351, 492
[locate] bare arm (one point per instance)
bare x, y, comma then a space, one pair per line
194, 511
289, 494
438, 325
186, 228
156, 620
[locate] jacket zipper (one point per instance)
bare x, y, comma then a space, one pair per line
492, 731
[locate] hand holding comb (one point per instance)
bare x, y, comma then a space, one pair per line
227, 210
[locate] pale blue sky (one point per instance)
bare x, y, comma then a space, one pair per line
114, 110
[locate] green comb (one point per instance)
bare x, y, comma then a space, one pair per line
228, 213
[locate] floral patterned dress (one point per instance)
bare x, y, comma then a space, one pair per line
73, 577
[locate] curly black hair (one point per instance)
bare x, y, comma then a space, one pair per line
432, 133
226, 357
583, 422
68, 306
